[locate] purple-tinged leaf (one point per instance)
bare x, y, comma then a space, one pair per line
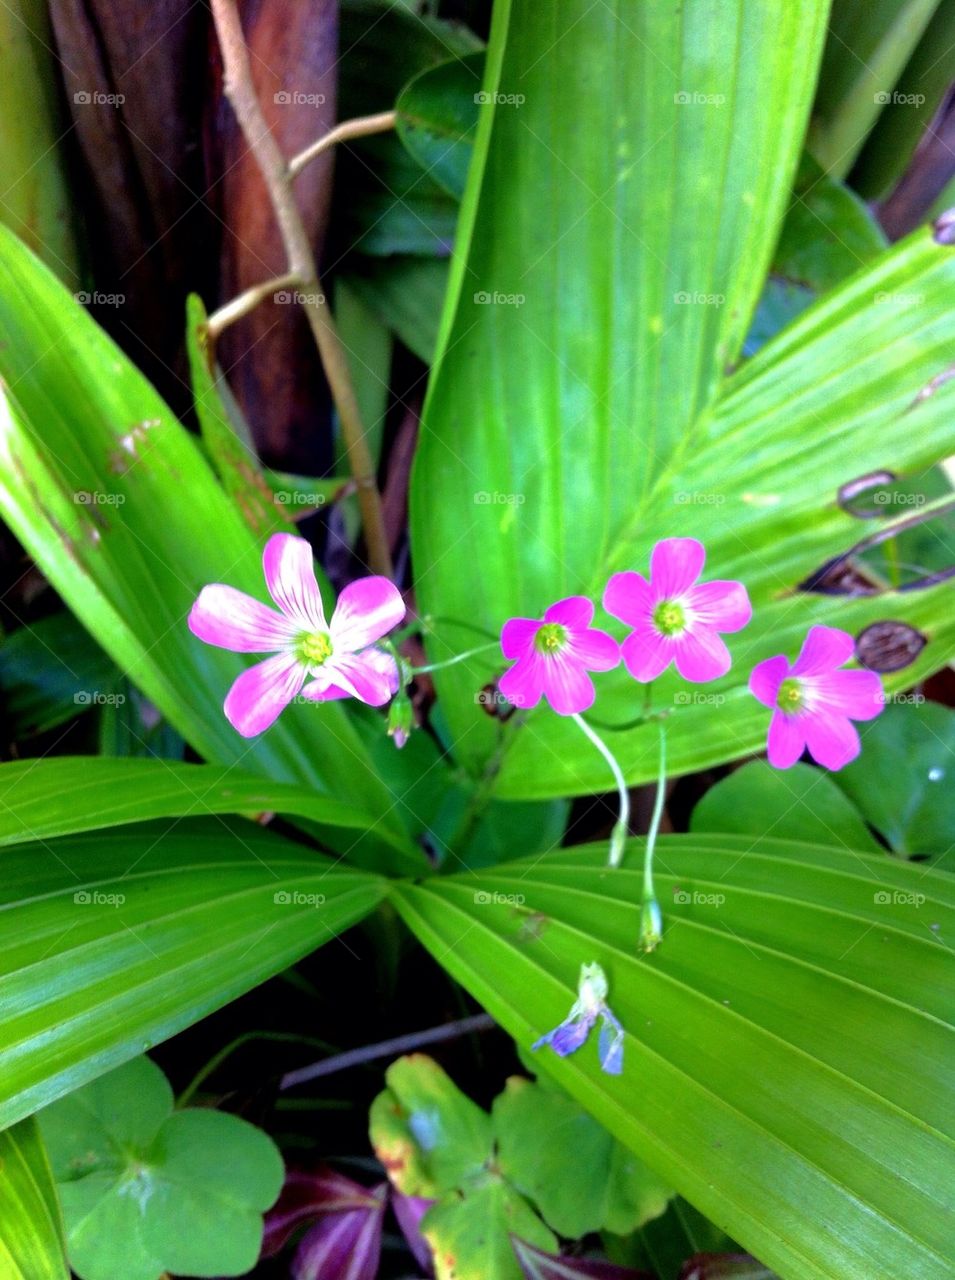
312, 1194
725, 1266
344, 1245
538, 1265
409, 1210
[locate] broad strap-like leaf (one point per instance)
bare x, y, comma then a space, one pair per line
788, 1051
112, 497
31, 1231
610, 257
113, 941
40, 799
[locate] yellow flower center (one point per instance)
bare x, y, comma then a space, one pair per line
669, 617
316, 647
550, 637
789, 697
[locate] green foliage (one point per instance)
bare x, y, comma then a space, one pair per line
112, 941
146, 1189
49, 673
31, 1233
786, 1045
580, 1178
801, 803
903, 783
621, 424
437, 119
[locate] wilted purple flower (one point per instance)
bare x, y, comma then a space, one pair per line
345, 1241
337, 657
674, 617
591, 1004
814, 703
553, 655
538, 1265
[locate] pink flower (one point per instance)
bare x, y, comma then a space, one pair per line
814, 703
674, 618
335, 655
552, 657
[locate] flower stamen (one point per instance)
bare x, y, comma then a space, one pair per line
790, 696
316, 648
550, 637
669, 617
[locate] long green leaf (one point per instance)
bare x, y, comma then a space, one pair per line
788, 1046
611, 256
31, 1232
113, 941
41, 799
580, 412
115, 502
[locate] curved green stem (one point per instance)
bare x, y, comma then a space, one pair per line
618, 837
651, 921
450, 662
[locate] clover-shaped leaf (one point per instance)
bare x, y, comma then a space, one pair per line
571, 1167
147, 1190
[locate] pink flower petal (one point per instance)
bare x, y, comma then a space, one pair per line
786, 739
372, 676
766, 677
630, 598
823, 649
832, 739
701, 655
593, 649
646, 654
366, 610
574, 612
233, 620
290, 578
523, 684
856, 694
567, 687
261, 693
319, 692
517, 636
724, 606
675, 565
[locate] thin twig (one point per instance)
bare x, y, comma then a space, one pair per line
387, 1049
239, 90
361, 127
247, 301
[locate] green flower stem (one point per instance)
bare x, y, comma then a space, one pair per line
618, 836
450, 662
651, 921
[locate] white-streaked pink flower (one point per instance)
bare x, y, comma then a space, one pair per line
552, 656
814, 703
674, 617
336, 659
